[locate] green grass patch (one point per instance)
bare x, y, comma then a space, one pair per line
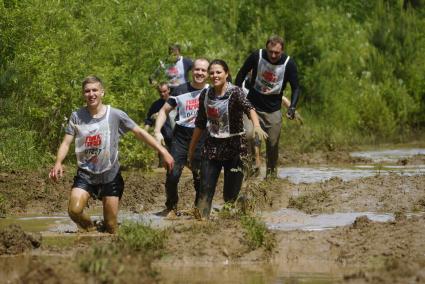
140, 237
257, 233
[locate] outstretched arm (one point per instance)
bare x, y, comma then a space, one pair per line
160, 120
57, 171
144, 136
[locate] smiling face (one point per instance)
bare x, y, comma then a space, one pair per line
200, 71
218, 76
93, 93
274, 52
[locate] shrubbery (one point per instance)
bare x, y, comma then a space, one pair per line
361, 63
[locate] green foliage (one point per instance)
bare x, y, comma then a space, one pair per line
257, 233
20, 149
3, 206
140, 237
361, 63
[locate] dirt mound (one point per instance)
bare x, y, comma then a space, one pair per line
415, 160
13, 240
361, 222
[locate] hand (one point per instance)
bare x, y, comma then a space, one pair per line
168, 161
291, 113
159, 138
189, 160
56, 172
260, 133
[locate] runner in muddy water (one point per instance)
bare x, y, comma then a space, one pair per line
221, 109
185, 99
97, 129
271, 70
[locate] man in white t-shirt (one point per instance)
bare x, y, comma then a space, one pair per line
97, 129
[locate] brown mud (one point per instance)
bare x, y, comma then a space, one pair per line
365, 252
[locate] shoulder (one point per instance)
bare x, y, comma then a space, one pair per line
118, 112
235, 92
181, 89
187, 60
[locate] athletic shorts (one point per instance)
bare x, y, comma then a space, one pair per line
98, 191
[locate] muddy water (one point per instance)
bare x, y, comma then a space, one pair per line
290, 219
389, 156
231, 273
383, 163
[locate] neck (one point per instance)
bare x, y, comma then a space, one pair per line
197, 86
96, 111
220, 90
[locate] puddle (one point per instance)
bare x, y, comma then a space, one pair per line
266, 273
63, 224
389, 156
319, 174
290, 219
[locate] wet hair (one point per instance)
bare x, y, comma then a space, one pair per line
223, 64
173, 47
91, 79
275, 40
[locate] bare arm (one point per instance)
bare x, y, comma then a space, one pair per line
162, 117
57, 171
144, 136
285, 102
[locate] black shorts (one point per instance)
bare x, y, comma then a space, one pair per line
98, 191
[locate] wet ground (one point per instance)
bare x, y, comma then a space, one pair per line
357, 221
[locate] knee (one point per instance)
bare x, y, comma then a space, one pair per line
74, 211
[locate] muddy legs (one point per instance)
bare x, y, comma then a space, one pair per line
77, 203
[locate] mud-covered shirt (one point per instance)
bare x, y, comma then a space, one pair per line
119, 123
230, 147
271, 102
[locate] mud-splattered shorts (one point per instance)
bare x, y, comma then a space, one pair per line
98, 191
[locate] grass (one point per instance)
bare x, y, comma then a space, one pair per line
257, 234
3, 204
136, 243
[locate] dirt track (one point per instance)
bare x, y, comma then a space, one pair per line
366, 251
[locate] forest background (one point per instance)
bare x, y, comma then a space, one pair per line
361, 65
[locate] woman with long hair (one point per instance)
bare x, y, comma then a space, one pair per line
221, 109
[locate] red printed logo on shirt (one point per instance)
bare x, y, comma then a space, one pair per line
270, 76
173, 71
212, 112
192, 104
93, 141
